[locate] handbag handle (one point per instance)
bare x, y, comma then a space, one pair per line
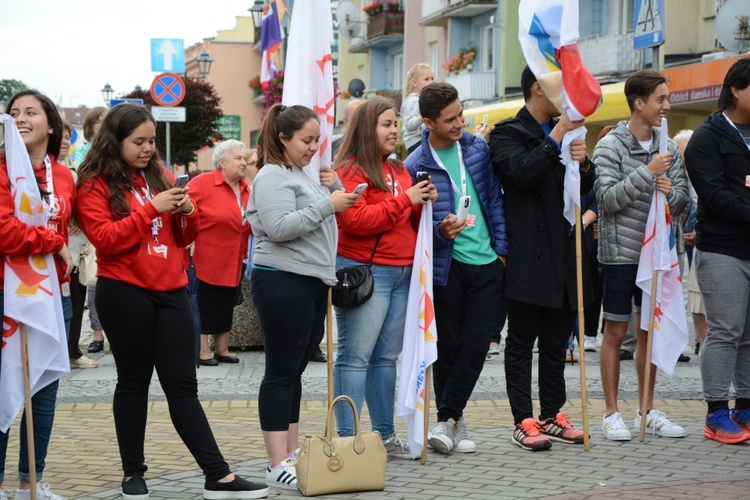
359, 443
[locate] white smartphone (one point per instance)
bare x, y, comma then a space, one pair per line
463, 207
360, 188
484, 120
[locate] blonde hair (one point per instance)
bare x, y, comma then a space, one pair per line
415, 71
683, 135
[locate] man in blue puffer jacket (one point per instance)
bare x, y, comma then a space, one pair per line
469, 257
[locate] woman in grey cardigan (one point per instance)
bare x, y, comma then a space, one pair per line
294, 265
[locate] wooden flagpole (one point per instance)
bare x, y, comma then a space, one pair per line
329, 347
649, 346
29, 414
428, 377
581, 328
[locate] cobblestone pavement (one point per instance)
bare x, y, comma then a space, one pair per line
83, 461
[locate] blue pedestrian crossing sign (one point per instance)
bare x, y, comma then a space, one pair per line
167, 54
648, 30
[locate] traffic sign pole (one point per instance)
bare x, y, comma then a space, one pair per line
169, 148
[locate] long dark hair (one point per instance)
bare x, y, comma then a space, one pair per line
284, 120
359, 148
104, 158
54, 121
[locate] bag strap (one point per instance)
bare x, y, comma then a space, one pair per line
393, 190
359, 443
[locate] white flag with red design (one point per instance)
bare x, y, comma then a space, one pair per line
308, 74
659, 253
31, 295
420, 338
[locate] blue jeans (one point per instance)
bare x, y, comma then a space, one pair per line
43, 410
369, 343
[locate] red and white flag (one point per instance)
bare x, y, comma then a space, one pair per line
308, 74
548, 34
420, 338
659, 253
32, 294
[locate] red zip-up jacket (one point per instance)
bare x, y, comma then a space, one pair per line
378, 212
221, 245
18, 238
122, 243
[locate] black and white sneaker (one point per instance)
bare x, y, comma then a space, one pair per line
239, 488
134, 489
283, 475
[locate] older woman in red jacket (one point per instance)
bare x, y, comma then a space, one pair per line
221, 197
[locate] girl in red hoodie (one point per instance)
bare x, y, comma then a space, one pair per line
139, 225
380, 228
41, 128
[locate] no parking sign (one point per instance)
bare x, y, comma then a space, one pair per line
168, 89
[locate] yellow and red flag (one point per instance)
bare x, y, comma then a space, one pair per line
420, 338
31, 294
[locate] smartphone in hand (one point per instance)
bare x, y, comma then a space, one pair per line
463, 208
422, 176
360, 188
182, 181
484, 120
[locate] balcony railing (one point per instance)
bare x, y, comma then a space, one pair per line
385, 22
474, 84
437, 12
610, 54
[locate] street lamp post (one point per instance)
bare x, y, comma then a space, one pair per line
204, 61
257, 12
107, 93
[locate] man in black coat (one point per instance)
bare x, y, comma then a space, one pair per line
541, 271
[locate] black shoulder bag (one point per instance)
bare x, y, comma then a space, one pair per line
355, 283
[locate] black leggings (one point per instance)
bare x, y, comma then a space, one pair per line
292, 309
148, 330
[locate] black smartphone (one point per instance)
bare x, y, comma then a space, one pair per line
182, 181
422, 176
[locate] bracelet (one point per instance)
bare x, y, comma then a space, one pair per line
191, 212
586, 163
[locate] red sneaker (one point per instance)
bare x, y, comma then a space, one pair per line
527, 435
559, 429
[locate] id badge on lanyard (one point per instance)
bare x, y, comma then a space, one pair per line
153, 248
471, 219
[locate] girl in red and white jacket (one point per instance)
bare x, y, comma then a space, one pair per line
41, 128
139, 225
382, 226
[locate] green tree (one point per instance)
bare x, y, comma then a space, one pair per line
8, 87
202, 109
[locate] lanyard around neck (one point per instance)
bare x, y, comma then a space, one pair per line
461, 169
49, 207
738, 130
148, 195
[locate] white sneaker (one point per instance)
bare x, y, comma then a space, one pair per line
659, 425
614, 428
396, 447
461, 441
43, 492
283, 475
3, 494
441, 435
589, 344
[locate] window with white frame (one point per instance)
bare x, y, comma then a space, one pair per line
487, 48
398, 71
434, 59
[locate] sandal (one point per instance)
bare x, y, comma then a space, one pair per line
96, 346
83, 362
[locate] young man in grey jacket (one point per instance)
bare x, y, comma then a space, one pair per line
629, 166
